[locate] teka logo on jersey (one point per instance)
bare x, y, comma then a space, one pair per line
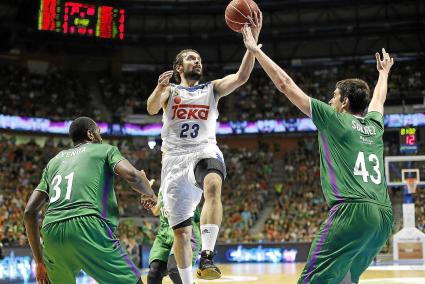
185, 111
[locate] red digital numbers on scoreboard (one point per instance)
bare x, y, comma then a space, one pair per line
47, 16
79, 18
82, 18
410, 139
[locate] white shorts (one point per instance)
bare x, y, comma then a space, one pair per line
180, 193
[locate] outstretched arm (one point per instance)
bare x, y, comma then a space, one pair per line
137, 180
280, 78
226, 85
380, 92
160, 95
34, 205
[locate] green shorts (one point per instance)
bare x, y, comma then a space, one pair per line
163, 244
85, 243
349, 239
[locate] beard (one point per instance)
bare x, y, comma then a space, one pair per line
192, 75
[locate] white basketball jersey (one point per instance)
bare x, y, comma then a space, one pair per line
190, 119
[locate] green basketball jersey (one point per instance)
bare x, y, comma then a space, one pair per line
80, 181
351, 155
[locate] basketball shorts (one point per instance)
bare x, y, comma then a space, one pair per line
348, 240
85, 243
181, 194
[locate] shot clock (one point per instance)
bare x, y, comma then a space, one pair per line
87, 19
408, 142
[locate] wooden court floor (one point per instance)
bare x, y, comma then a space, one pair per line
289, 273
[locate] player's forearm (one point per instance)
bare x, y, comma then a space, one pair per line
284, 82
33, 234
381, 88
140, 183
154, 101
246, 67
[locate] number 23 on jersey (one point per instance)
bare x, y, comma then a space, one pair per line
188, 131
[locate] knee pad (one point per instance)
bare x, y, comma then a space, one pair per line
206, 166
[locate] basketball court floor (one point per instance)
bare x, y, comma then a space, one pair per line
288, 274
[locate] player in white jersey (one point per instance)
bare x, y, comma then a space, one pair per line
192, 163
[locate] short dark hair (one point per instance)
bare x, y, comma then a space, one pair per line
358, 93
79, 127
178, 60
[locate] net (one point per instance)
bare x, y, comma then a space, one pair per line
411, 184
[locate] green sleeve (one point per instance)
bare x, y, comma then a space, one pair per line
322, 114
44, 184
114, 156
325, 117
377, 118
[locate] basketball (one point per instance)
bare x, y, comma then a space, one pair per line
238, 13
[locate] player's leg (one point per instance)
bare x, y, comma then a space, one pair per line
173, 271
374, 246
101, 254
183, 250
196, 241
157, 271
340, 239
58, 254
210, 174
158, 257
181, 196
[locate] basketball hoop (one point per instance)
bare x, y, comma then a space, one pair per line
411, 184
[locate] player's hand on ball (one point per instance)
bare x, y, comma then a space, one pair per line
386, 63
256, 24
248, 39
164, 79
41, 274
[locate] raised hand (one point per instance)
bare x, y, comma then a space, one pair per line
164, 79
249, 40
385, 64
256, 24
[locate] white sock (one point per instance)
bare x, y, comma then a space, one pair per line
209, 233
186, 275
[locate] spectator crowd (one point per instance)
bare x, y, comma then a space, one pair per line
62, 95
252, 185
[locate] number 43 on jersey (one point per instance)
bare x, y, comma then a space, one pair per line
360, 168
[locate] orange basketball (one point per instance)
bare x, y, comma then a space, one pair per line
238, 12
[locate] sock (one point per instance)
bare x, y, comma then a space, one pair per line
209, 233
186, 275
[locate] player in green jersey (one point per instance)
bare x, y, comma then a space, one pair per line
351, 169
82, 212
161, 258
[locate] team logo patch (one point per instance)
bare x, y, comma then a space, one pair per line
177, 100
188, 111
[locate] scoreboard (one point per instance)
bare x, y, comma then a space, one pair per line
408, 143
71, 17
